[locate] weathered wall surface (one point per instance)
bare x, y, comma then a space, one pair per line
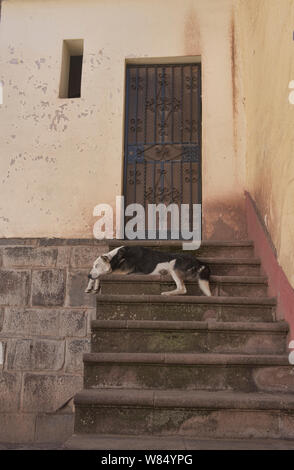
61, 157
44, 330
265, 38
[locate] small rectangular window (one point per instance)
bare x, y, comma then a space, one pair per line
71, 68
75, 76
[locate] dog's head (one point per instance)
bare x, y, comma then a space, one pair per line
101, 266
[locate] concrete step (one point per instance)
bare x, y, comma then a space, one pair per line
160, 307
188, 336
233, 266
187, 371
155, 442
209, 248
199, 414
240, 286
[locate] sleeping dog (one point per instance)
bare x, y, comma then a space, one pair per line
141, 260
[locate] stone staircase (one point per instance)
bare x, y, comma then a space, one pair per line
188, 366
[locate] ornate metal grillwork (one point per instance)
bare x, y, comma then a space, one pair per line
163, 134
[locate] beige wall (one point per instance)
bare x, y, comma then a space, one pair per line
61, 157
265, 36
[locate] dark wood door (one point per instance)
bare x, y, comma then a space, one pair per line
162, 162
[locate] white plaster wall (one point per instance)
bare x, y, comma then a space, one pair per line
61, 157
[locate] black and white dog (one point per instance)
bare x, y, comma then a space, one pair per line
141, 260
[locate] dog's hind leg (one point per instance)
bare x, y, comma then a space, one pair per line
89, 286
204, 286
203, 280
181, 288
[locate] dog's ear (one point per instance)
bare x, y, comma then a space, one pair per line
105, 258
121, 252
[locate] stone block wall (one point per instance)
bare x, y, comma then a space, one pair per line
44, 331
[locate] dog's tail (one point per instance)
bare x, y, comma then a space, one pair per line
203, 275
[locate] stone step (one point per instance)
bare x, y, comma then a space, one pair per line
160, 307
170, 442
233, 266
209, 371
241, 286
188, 336
209, 248
198, 414
191, 366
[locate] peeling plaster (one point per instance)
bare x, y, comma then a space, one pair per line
16, 61
17, 163
39, 62
59, 116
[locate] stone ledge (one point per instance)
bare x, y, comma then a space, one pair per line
183, 299
147, 442
251, 360
149, 278
178, 243
276, 327
185, 399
